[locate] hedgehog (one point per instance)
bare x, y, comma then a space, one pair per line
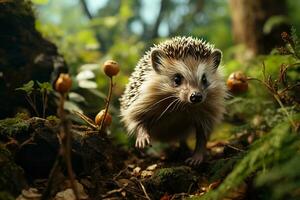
176, 89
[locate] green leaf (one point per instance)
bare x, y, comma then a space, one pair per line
274, 21
108, 22
45, 87
296, 41
76, 97
265, 152
27, 87
72, 106
40, 2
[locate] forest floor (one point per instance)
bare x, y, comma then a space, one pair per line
107, 171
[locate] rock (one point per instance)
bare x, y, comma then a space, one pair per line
171, 180
11, 176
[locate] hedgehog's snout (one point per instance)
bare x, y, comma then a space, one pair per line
196, 97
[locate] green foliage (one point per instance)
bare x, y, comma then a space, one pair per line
274, 21
283, 179
172, 179
27, 87
45, 87
222, 167
11, 176
276, 147
13, 126
40, 2
6, 196
271, 161
296, 42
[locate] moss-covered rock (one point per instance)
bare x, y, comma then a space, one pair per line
6, 196
171, 180
12, 178
10, 127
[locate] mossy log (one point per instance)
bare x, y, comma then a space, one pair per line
34, 145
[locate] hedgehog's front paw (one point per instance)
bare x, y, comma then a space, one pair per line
196, 159
142, 140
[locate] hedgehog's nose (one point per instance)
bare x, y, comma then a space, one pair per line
196, 97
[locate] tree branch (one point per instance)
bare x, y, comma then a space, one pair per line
154, 31
100, 40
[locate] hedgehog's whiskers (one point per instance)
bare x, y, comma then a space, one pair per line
177, 104
174, 101
168, 97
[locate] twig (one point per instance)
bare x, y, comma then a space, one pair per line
285, 111
45, 101
28, 141
262, 82
289, 88
175, 196
276, 97
66, 138
120, 172
235, 148
114, 191
86, 119
100, 40
30, 101
107, 103
144, 190
47, 192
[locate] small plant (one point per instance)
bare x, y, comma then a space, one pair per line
281, 88
103, 119
62, 86
28, 88
111, 68
43, 88
271, 160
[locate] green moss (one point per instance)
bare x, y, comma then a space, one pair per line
5, 196
19, 8
166, 172
13, 126
22, 115
220, 168
11, 177
172, 180
53, 120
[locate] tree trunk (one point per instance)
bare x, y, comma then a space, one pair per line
248, 20
24, 55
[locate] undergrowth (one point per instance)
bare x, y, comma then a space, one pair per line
269, 166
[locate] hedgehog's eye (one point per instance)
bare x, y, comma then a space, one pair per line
204, 80
177, 79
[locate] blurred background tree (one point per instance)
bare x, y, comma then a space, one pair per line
258, 24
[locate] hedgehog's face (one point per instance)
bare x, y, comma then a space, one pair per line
189, 80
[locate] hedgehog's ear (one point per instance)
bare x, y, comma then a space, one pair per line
157, 56
216, 57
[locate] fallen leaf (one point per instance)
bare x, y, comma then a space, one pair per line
152, 167
146, 173
136, 171
214, 185
68, 194
30, 194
